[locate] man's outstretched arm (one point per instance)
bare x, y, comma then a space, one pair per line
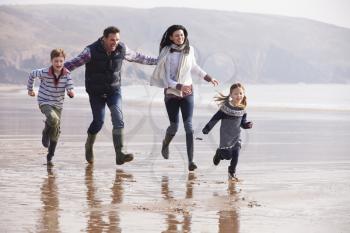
137, 57
83, 58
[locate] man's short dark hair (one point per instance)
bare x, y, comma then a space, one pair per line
110, 30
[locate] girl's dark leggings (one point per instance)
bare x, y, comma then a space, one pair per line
234, 159
231, 154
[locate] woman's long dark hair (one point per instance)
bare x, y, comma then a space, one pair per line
169, 32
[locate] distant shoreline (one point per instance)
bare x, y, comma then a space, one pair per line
145, 94
10, 87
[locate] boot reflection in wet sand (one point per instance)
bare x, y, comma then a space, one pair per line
229, 218
171, 220
189, 194
167, 195
95, 222
49, 196
117, 198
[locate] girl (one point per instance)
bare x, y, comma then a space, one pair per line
174, 71
55, 80
233, 116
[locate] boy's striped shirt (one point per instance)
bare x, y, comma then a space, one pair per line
49, 93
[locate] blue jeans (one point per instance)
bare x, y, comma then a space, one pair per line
98, 104
173, 106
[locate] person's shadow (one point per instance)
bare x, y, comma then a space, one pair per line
95, 222
49, 221
171, 220
229, 218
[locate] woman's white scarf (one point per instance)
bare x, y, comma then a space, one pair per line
158, 77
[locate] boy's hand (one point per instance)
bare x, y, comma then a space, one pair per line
70, 94
248, 125
31, 93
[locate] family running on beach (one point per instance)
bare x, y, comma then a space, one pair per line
175, 67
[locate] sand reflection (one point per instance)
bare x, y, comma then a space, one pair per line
229, 218
117, 198
49, 221
171, 221
96, 214
95, 222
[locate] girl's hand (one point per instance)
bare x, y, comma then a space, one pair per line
214, 82
31, 93
205, 130
70, 94
248, 125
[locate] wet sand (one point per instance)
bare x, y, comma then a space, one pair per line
294, 169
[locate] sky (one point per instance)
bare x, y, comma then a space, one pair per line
336, 12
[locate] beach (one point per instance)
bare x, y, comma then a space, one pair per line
293, 170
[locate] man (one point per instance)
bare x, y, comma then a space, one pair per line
103, 61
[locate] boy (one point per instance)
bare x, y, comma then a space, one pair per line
54, 81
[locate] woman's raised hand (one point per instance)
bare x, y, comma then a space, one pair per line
214, 82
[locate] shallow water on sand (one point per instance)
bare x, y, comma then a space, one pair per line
294, 170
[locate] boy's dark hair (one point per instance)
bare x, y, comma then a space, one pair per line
57, 53
165, 41
110, 30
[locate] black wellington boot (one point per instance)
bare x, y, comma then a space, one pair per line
165, 145
51, 153
189, 144
89, 146
120, 157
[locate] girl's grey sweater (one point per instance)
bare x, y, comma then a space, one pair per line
232, 119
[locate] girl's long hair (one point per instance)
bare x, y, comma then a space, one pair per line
165, 41
221, 98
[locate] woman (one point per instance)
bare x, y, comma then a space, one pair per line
174, 71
